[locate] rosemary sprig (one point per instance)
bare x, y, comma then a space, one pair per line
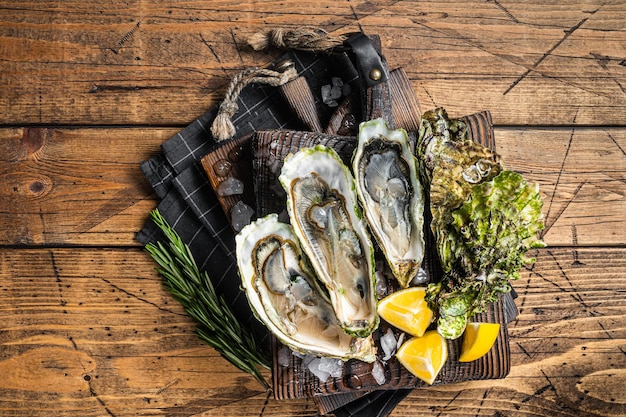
217, 325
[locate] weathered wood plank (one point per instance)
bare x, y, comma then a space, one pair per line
145, 62
567, 345
75, 185
91, 332
582, 175
84, 186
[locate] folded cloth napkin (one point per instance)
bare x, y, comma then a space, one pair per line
190, 206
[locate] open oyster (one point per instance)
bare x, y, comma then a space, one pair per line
325, 215
391, 196
285, 296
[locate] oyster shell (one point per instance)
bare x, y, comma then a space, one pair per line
325, 215
484, 219
391, 196
452, 164
284, 294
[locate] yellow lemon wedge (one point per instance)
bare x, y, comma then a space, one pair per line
478, 340
424, 356
407, 310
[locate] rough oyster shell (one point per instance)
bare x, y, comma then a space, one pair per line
286, 297
451, 162
325, 215
451, 165
391, 196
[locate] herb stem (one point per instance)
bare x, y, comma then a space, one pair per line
216, 323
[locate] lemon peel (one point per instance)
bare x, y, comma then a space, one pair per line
424, 356
478, 339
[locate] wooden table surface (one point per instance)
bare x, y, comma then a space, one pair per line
89, 89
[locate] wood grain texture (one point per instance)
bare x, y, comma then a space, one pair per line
84, 185
148, 62
75, 186
91, 332
90, 89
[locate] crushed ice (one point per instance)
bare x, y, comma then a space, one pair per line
389, 344
381, 279
284, 356
230, 186
333, 366
421, 277
323, 368
222, 167
378, 372
332, 92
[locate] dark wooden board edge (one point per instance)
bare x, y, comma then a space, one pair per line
237, 153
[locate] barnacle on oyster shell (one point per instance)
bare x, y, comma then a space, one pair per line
325, 215
285, 295
391, 196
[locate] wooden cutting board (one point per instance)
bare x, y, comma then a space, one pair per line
295, 380
257, 160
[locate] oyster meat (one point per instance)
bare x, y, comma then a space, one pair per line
326, 217
285, 295
391, 196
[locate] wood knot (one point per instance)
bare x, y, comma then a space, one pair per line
32, 186
34, 140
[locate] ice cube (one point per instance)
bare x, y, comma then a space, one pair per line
335, 92
421, 277
333, 366
230, 186
327, 96
326, 92
314, 367
284, 356
388, 344
222, 167
298, 355
378, 372
240, 214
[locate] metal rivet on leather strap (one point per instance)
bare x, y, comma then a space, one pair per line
375, 74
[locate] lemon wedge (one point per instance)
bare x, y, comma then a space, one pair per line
424, 356
478, 340
407, 310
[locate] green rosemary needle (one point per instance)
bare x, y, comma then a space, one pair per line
216, 323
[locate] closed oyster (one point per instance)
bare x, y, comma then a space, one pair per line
484, 219
285, 296
325, 215
451, 163
391, 196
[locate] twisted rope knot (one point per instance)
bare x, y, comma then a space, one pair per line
304, 39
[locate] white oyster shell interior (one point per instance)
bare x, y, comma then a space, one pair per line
325, 215
285, 295
391, 196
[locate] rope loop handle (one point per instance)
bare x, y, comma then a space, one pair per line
222, 127
309, 39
